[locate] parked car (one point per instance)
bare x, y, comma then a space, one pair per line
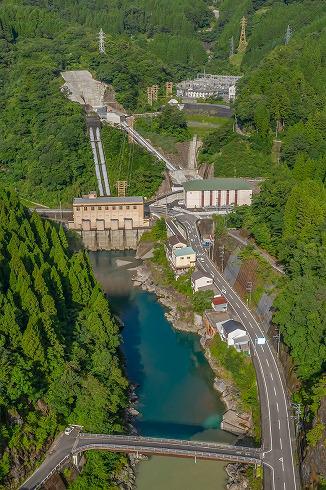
68, 430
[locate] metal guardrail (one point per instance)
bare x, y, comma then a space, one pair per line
167, 451
54, 470
176, 442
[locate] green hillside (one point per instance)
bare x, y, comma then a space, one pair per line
58, 345
283, 95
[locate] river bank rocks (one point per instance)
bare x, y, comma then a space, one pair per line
234, 419
177, 312
237, 479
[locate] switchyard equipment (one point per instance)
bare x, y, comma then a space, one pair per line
206, 85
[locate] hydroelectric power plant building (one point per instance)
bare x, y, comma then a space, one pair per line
92, 213
205, 86
221, 193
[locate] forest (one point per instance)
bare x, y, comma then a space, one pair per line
59, 344
280, 124
281, 104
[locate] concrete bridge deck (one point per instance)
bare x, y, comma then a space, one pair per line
70, 446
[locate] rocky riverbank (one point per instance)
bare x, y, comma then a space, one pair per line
234, 419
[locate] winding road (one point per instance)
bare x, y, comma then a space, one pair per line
278, 439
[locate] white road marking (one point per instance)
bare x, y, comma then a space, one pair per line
221, 280
266, 360
271, 376
274, 390
281, 443
277, 406
279, 424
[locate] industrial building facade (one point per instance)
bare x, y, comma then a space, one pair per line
223, 193
108, 213
205, 86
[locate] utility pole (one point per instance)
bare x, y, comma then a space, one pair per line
222, 251
243, 38
297, 415
101, 41
249, 290
288, 35
278, 338
231, 47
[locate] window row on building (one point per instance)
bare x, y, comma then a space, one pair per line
106, 208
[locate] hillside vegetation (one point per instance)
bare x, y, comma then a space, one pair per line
44, 149
59, 359
282, 95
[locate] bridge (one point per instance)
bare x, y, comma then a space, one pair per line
72, 445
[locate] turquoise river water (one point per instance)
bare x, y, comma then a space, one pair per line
174, 382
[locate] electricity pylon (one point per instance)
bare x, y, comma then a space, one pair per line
101, 41
243, 39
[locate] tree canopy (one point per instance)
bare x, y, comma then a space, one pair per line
59, 360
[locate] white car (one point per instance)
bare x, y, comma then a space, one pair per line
68, 430
223, 291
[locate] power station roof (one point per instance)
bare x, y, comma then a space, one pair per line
108, 200
217, 184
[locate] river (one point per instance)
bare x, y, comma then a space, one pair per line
175, 383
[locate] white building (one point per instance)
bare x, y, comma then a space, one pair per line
219, 193
183, 258
231, 330
219, 303
200, 280
232, 92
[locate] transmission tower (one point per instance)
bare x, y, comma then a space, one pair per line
121, 186
288, 35
231, 46
243, 39
101, 41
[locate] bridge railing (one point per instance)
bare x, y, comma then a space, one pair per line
175, 442
168, 451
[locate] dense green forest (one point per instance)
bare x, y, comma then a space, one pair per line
44, 149
283, 97
279, 134
59, 348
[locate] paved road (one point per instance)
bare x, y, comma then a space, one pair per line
76, 443
58, 454
281, 472
172, 447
